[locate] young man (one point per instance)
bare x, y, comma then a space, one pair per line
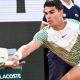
71, 11
61, 36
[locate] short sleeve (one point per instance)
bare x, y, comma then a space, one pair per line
40, 36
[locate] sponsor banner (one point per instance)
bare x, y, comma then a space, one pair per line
11, 74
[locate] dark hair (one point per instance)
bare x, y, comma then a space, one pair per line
52, 3
73, 1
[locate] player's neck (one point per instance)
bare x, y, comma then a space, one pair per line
60, 26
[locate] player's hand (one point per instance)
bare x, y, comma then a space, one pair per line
14, 62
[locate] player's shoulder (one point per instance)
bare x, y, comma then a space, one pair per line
46, 27
73, 21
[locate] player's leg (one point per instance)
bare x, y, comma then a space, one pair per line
73, 74
57, 67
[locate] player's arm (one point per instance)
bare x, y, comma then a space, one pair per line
25, 50
43, 23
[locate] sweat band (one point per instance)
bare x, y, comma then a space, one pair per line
19, 54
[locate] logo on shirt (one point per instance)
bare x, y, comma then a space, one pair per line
76, 15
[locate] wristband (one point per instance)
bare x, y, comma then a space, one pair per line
19, 54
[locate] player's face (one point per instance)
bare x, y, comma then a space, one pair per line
53, 15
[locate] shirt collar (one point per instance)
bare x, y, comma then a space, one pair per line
67, 6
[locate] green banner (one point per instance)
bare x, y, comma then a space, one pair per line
11, 74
